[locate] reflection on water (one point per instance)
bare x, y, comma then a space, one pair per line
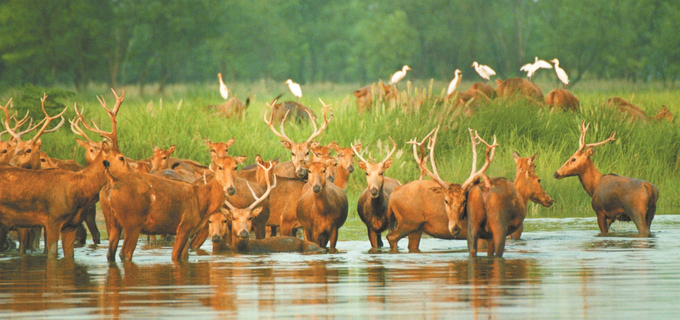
567, 273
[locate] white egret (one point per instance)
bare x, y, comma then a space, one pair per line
454, 83
531, 68
294, 88
223, 88
397, 76
484, 71
560, 72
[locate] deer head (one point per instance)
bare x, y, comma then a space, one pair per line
374, 171
527, 183
299, 151
580, 160
160, 157
317, 173
345, 156
225, 171
220, 149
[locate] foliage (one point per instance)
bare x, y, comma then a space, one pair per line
28, 98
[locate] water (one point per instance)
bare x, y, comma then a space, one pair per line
560, 269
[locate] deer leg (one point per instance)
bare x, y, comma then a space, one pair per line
518, 233
114, 237
24, 239
401, 231
261, 230
373, 237
91, 222
180, 243
602, 222
637, 216
199, 238
4, 244
273, 231
414, 241
333, 240
130, 243
472, 238
67, 242
80, 235
308, 235
490, 247
52, 231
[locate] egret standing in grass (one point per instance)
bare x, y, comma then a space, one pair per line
560, 72
294, 88
531, 68
454, 83
224, 92
397, 76
483, 70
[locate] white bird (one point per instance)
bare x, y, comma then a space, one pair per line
294, 88
223, 88
454, 83
397, 76
531, 68
484, 71
560, 72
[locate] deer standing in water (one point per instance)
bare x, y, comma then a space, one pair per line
373, 202
614, 197
299, 151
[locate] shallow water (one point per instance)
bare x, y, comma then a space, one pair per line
560, 269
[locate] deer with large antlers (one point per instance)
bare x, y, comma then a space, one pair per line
614, 197
322, 208
7, 147
55, 199
425, 205
373, 202
499, 208
299, 151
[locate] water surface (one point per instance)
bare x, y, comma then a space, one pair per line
561, 269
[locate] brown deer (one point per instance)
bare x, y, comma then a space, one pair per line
322, 208
664, 115
562, 99
497, 210
484, 88
614, 197
528, 186
220, 149
425, 205
55, 199
345, 164
518, 86
300, 151
232, 108
373, 202
364, 98
7, 147
634, 113
144, 203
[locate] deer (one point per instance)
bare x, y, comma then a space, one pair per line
232, 108
634, 113
497, 209
27, 155
518, 86
144, 203
299, 151
187, 170
322, 208
55, 199
7, 147
221, 149
345, 163
373, 202
562, 99
364, 98
613, 197
426, 205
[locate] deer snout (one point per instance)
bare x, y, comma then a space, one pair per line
301, 173
374, 192
350, 169
316, 188
243, 234
216, 238
557, 175
231, 191
547, 202
454, 228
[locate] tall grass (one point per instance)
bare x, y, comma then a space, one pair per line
647, 151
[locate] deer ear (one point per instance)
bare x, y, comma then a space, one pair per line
38, 143
172, 149
256, 211
82, 143
362, 165
589, 152
358, 147
155, 148
207, 142
213, 157
259, 160
387, 164
334, 145
286, 144
532, 159
240, 159
313, 144
230, 142
515, 156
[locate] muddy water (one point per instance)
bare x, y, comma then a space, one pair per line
559, 270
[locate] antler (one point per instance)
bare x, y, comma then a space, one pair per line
582, 139
48, 119
76, 129
317, 131
270, 123
490, 153
112, 136
394, 148
266, 193
422, 157
422, 162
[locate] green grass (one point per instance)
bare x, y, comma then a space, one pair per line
646, 151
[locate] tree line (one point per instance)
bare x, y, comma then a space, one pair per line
169, 41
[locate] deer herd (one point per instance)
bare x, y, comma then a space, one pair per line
272, 199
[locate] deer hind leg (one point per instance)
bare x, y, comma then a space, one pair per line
472, 238
91, 222
518, 233
68, 238
333, 240
130, 243
52, 231
80, 235
114, 236
180, 249
414, 241
261, 230
638, 215
373, 238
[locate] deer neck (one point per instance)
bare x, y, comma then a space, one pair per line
523, 192
589, 177
321, 199
210, 197
240, 245
89, 181
341, 177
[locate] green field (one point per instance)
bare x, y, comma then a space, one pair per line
647, 151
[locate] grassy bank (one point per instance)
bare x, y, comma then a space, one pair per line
647, 151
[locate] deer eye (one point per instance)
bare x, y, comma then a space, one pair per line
307, 153
539, 180
91, 150
250, 218
121, 158
209, 221
225, 221
382, 173
43, 160
165, 158
28, 151
366, 173
4, 151
219, 167
292, 154
573, 159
